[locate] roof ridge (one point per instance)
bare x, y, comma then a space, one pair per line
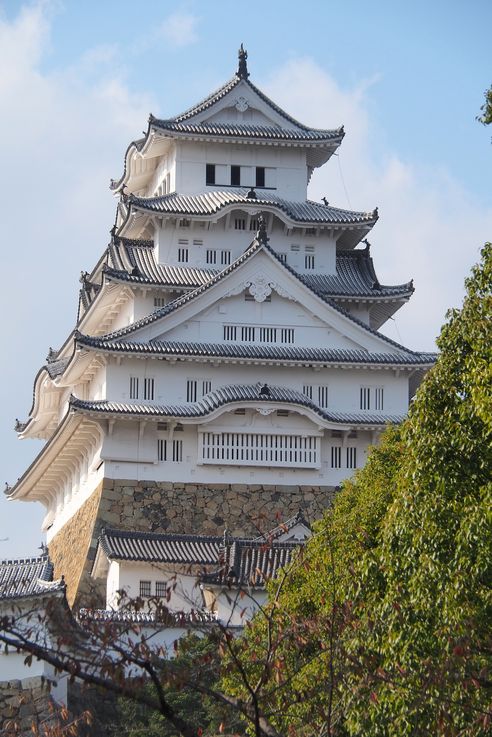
43, 558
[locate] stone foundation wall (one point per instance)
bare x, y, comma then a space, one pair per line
244, 509
69, 548
24, 704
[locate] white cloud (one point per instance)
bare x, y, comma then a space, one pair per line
61, 134
180, 29
431, 228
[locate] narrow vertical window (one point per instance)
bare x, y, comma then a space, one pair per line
161, 589
336, 456
177, 451
323, 396
191, 387
145, 589
133, 387
210, 174
351, 457
260, 176
379, 398
235, 176
161, 449
365, 397
148, 388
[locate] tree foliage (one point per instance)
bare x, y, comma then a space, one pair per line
486, 110
423, 604
299, 687
382, 623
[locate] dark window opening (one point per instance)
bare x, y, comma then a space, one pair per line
236, 176
260, 176
210, 175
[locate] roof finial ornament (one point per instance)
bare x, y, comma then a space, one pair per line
367, 244
325, 201
242, 69
261, 235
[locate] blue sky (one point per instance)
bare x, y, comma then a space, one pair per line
80, 78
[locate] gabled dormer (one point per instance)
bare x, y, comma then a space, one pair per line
236, 137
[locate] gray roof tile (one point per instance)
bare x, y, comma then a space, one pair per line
255, 246
255, 352
251, 562
227, 395
160, 548
27, 577
251, 131
210, 203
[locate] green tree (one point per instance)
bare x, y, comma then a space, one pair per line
292, 649
381, 625
196, 661
486, 109
420, 646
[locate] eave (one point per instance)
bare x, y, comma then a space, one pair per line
43, 477
226, 399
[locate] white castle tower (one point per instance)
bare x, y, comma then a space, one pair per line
226, 369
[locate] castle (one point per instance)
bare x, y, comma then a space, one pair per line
226, 369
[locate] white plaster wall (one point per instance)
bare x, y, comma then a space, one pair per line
223, 236
12, 666
235, 608
185, 594
343, 383
190, 472
290, 165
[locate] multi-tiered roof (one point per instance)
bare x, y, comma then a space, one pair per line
136, 264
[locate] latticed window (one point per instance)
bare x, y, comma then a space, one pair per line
183, 255
211, 256
260, 449
168, 450
149, 385
336, 456
365, 397
225, 258
351, 457
133, 387
145, 588
309, 261
161, 588
240, 223
323, 396
379, 398
191, 390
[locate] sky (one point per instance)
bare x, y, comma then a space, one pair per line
79, 79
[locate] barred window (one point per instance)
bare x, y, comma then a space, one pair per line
161, 588
351, 457
365, 397
336, 456
133, 387
145, 588
149, 385
183, 255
